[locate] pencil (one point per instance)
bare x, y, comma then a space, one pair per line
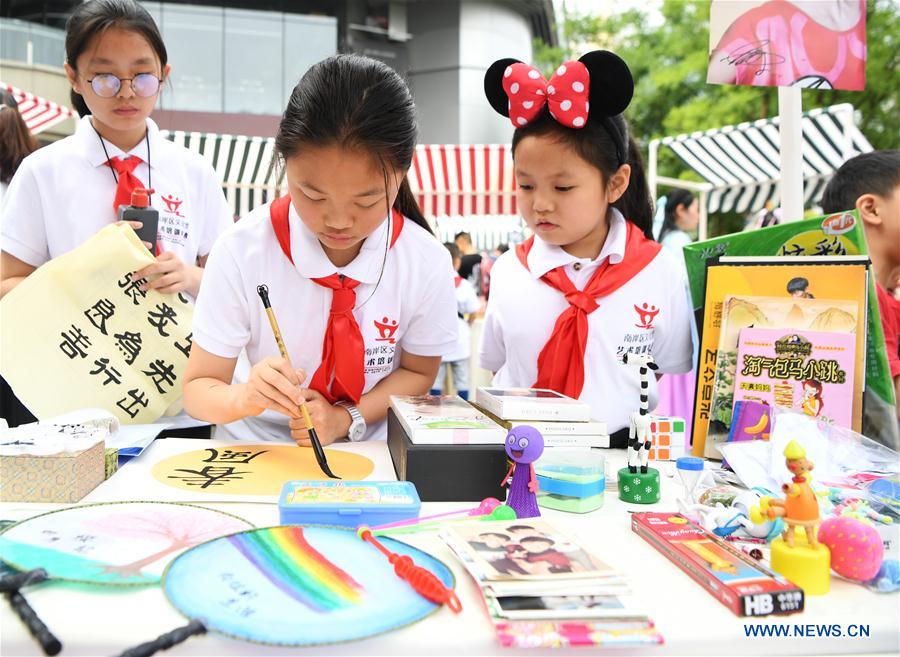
263, 292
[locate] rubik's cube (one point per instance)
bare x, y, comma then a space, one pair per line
668, 438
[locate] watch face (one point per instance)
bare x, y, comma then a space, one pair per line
357, 430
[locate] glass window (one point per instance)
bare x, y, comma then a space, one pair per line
254, 61
47, 43
307, 40
194, 41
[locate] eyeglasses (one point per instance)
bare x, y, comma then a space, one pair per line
107, 85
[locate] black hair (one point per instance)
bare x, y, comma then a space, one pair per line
455, 253
798, 284
17, 140
604, 140
674, 199
596, 145
512, 527
503, 247
531, 539
95, 17
463, 234
877, 173
355, 102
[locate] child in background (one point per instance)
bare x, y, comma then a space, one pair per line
16, 139
591, 284
362, 291
870, 183
64, 193
680, 214
466, 304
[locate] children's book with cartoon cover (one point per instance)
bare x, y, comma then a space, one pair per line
792, 279
804, 371
789, 312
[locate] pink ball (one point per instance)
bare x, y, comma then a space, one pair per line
856, 548
486, 507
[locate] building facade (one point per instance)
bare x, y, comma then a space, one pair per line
235, 63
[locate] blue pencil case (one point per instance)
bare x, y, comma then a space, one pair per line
571, 488
347, 503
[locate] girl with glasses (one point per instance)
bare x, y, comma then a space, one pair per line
66, 192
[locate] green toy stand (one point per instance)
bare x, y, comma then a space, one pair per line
638, 487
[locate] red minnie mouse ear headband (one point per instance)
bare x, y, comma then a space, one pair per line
594, 88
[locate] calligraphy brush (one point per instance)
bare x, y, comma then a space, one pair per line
263, 291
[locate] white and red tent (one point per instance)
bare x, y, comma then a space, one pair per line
459, 187
39, 113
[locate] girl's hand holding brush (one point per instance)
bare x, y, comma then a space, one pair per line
331, 422
274, 385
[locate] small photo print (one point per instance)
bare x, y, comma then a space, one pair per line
529, 549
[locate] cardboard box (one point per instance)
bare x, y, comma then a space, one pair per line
62, 477
447, 473
737, 580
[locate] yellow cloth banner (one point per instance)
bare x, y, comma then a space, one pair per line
80, 333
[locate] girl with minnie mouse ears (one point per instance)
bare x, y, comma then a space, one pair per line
590, 284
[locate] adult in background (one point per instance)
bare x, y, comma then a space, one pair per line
470, 263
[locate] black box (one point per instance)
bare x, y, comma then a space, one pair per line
447, 473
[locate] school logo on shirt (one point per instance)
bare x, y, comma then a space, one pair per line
386, 329
172, 204
380, 356
173, 223
646, 314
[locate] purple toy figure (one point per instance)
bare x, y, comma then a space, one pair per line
524, 445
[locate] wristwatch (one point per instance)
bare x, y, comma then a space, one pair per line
357, 424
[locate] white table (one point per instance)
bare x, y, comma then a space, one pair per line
98, 622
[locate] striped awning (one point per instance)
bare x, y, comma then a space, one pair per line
243, 164
447, 180
39, 113
463, 180
742, 161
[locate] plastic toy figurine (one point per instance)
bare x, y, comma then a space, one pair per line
724, 520
640, 487
800, 507
808, 564
524, 446
639, 434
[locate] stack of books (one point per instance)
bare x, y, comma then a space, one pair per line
562, 421
544, 590
445, 419
787, 318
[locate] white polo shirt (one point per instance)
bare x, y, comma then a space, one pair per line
523, 309
412, 308
63, 193
467, 302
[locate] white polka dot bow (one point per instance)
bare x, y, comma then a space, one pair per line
566, 93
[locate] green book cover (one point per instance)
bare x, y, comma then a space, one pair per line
835, 234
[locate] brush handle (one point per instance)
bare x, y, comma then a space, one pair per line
49, 643
17, 581
167, 640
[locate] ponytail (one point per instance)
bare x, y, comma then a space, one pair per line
635, 203
78, 103
405, 204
